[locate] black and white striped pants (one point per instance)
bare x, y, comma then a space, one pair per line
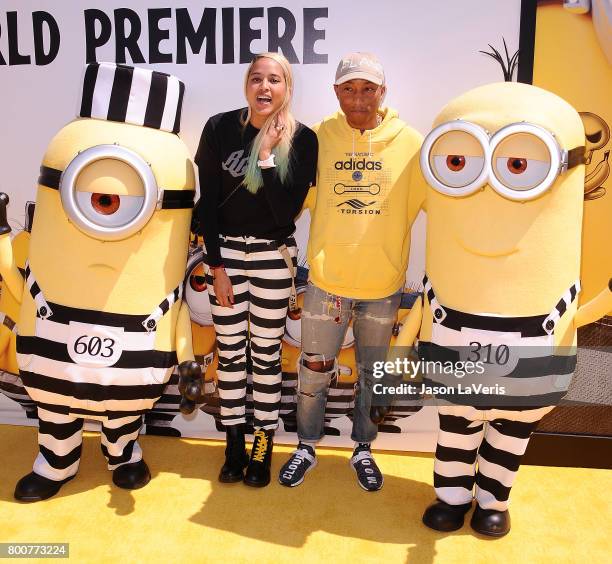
12, 387
261, 283
493, 439
60, 439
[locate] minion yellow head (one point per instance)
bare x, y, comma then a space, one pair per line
504, 165
115, 194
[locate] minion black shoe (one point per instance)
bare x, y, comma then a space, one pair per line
35, 487
236, 457
490, 522
132, 476
258, 470
444, 517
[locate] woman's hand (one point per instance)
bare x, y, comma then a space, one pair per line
271, 139
223, 288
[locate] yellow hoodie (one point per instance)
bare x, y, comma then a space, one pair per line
363, 206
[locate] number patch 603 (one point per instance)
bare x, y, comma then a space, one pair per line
94, 345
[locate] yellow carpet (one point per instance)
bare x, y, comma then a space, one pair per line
185, 515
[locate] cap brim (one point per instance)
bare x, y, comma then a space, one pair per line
359, 75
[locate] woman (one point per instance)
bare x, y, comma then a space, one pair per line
256, 165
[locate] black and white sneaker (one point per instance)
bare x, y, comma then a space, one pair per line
369, 476
302, 460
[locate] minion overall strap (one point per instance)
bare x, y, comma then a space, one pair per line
530, 326
171, 199
566, 300
42, 307
150, 323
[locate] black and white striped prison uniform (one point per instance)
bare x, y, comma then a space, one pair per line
132, 95
10, 384
95, 365
483, 438
261, 284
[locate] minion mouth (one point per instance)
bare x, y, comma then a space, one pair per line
487, 254
102, 266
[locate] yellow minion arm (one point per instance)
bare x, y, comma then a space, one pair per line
8, 269
184, 344
595, 309
411, 325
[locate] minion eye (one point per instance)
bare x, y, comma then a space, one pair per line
197, 282
453, 157
517, 165
521, 161
519, 173
108, 210
196, 295
455, 162
106, 204
457, 171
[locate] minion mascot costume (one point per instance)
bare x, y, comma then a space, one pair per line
505, 174
102, 323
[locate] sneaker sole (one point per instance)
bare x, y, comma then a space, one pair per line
362, 486
300, 481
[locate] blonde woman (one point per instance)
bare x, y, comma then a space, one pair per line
256, 165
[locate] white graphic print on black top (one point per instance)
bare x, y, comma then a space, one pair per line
226, 207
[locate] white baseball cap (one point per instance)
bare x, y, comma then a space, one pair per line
360, 65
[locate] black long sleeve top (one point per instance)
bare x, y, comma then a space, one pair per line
230, 209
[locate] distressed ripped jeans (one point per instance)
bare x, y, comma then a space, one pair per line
325, 318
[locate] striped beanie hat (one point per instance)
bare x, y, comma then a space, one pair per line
132, 95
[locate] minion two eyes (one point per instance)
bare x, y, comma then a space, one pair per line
457, 158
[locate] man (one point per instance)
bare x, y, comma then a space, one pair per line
361, 214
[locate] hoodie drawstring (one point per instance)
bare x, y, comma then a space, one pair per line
369, 142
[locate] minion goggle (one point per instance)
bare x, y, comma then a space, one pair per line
109, 216
520, 162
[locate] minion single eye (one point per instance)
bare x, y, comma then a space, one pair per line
108, 210
196, 295
453, 158
525, 161
109, 192
197, 283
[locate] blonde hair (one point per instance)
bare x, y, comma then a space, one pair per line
253, 180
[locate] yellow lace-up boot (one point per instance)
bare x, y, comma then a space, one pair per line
258, 470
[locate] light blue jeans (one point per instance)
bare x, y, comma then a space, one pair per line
325, 318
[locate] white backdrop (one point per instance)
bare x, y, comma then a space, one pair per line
429, 51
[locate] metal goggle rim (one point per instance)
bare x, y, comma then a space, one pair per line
558, 159
153, 198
